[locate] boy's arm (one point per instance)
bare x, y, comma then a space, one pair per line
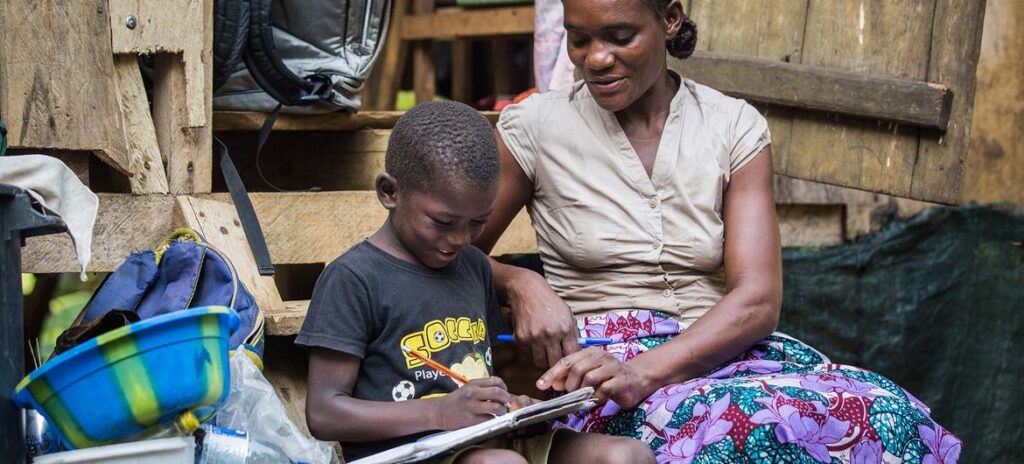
332, 414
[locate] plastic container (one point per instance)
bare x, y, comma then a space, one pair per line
177, 450
130, 380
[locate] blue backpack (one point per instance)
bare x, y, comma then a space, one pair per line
183, 272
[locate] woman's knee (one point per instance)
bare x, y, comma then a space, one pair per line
490, 456
625, 450
599, 449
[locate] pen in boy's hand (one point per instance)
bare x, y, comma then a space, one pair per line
455, 376
586, 341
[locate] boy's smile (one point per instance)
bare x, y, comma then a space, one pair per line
431, 227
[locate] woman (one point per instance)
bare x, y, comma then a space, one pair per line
652, 200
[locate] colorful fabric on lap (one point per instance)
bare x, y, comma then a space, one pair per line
781, 401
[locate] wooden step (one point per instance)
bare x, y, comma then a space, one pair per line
340, 121
286, 321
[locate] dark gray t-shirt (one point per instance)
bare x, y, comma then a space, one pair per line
368, 303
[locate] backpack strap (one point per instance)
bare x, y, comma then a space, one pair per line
270, 72
230, 32
246, 213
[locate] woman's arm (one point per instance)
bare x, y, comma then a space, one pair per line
332, 414
748, 312
543, 321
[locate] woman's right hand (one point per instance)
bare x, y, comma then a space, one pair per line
476, 401
544, 323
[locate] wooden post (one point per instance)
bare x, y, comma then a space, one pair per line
391, 64
462, 70
424, 75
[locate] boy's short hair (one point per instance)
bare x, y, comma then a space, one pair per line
440, 143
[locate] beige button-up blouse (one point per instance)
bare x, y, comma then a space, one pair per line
612, 238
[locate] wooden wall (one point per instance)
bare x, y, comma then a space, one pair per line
995, 163
848, 49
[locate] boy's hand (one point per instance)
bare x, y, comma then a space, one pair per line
473, 403
520, 402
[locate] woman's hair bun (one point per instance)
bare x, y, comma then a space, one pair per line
682, 45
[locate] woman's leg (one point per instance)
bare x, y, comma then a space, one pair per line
490, 456
781, 401
595, 448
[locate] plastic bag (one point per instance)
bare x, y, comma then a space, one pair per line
253, 406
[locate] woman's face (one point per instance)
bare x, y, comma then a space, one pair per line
618, 46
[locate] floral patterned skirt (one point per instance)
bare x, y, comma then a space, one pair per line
781, 401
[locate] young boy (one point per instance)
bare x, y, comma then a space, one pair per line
418, 284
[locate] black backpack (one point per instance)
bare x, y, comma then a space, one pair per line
308, 55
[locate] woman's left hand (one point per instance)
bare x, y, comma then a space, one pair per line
593, 367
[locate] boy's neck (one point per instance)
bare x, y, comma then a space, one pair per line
386, 239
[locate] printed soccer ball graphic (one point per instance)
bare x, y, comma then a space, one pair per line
403, 391
487, 356
439, 336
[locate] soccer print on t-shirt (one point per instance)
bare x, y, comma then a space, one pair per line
455, 344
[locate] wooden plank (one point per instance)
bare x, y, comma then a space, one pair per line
252, 121
187, 150
330, 160
424, 76
501, 66
147, 173
776, 35
166, 26
955, 47
391, 65
462, 70
218, 223
448, 24
821, 88
288, 320
995, 161
299, 227
879, 37
57, 88
810, 225
124, 224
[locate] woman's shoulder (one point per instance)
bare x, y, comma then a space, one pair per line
714, 102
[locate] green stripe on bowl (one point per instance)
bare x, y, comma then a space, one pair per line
59, 414
132, 378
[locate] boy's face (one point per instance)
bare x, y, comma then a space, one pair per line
433, 225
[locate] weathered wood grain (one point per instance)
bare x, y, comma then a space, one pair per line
57, 84
186, 148
389, 68
424, 75
879, 37
299, 228
955, 46
166, 26
218, 223
125, 223
902, 101
994, 169
147, 174
447, 24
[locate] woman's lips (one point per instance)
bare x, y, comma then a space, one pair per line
607, 85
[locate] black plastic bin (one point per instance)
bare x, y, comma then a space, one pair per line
18, 220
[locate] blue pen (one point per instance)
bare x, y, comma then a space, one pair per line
588, 341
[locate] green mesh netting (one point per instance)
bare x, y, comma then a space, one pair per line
936, 304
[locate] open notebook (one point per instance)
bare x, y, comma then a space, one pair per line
436, 444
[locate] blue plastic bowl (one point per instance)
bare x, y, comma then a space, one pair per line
128, 380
